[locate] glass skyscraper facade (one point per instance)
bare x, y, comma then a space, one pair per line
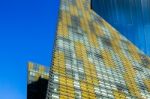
92, 60
130, 17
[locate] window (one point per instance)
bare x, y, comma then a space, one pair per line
54, 88
68, 62
55, 96
97, 90
138, 68
121, 86
31, 78
94, 56
76, 84
90, 56
68, 53
36, 67
74, 67
80, 64
80, 70
142, 86
106, 42
91, 27
77, 94
76, 76
32, 73
98, 56
77, 36
63, 42
69, 73
81, 76
124, 44
73, 2
75, 21
55, 78
99, 20
145, 60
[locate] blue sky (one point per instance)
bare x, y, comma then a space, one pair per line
27, 29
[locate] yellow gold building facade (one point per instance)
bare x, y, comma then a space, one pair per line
92, 60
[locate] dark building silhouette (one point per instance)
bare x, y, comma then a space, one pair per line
37, 89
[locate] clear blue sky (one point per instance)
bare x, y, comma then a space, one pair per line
27, 30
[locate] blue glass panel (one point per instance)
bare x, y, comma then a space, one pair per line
130, 17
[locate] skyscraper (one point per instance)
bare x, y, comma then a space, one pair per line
38, 76
92, 60
36, 71
124, 15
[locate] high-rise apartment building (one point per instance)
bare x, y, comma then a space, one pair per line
92, 60
38, 76
36, 71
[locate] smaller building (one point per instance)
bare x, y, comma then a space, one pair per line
38, 76
36, 71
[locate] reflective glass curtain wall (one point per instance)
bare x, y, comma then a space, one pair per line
130, 17
92, 60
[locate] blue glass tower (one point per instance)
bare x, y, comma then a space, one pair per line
130, 17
